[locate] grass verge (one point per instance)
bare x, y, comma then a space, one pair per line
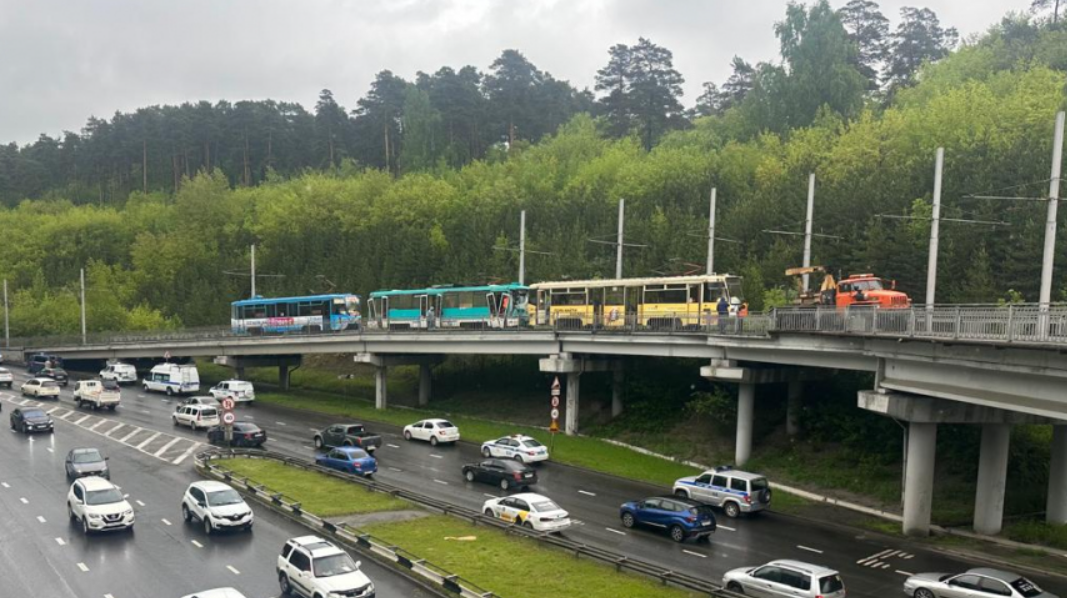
485, 556
323, 495
1037, 532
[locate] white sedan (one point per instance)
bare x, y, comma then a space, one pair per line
528, 510
523, 449
433, 431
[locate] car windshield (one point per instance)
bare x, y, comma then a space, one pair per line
445, 425
89, 456
223, 498
545, 505
831, 584
531, 443
32, 413
1026, 588
758, 484
103, 497
336, 564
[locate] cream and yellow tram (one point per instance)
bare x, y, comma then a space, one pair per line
654, 302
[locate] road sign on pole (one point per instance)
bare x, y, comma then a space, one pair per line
166, 355
555, 387
554, 426
227, 404
555, 402
228, 418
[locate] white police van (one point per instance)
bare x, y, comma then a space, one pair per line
172, 378
735, 492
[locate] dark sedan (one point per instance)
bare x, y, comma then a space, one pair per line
83, 462
26, 420
57, 374
500, 472
244, 434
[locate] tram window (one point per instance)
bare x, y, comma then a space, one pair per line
613, 296
713, 291
665, 296
694, 293
568, 298
403, 302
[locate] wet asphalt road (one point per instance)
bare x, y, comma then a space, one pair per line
872, 566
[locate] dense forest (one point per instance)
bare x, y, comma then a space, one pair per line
424, 180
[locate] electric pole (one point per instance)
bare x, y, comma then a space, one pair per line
711, 234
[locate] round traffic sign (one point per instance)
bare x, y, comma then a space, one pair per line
555, 413
228, 418
227, 404
555, 401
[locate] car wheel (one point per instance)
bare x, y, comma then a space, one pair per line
681, 493
208, 528
70, 513
627, 520
318, 442
923, 593
469, 475
283, 584
186, 514
433, 441
145, 387
503, 484
518, 458
407, 435
346, 443
731, 509
175, 419
170, 393
486, 453
677, 533
735, 587
489, 513
111, 407
85, 525
527, 525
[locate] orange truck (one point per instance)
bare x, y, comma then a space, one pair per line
857, 289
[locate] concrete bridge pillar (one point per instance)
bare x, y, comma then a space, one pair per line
570, 424
572, 367
381, 399
239, 373
617, 380
919, 478
425, 383
746, 408
793, 407
283, 376
1056, 510
992, 479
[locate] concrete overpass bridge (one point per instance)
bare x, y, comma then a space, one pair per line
994, 366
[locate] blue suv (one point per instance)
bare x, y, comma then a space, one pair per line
681, 517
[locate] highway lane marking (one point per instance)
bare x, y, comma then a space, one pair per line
197, 544
313, 429
586, 493
79, 422
41, 519
130, 435
873, 557
5, 484
24, 501
703, 556
108, 596
139, 503
280, 424
97, 424
50, 449
146, 412
52, 410
729, 529
186, 454
436, 456
165, 522
166, 446
904, 573
393, 445
396, 469
615, 531
66, 415
441, 481
109, 432
815, 550
83, 567
147, 440
61, 542
234, 571
489, 495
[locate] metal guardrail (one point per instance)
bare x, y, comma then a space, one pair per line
399, 556
1003, 324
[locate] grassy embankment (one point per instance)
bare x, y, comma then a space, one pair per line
485, 556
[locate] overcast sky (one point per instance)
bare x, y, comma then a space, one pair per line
64, 60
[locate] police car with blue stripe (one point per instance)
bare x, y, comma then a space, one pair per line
735, 492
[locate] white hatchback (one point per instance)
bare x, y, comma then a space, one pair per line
99, 505
217, 506
529, 510
523, 449
433, 431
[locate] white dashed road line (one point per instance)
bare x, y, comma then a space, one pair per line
905, 573
50, 449
280, 424
197, 544
164, 448
5, 484
441, 482
586, 493
83, 567
703, 556
396, 469
165, 522
436, 456
232, 570
139, 503
393, 445
815, 550
41, 519
24, 501
186, 454
615, 531
61, 541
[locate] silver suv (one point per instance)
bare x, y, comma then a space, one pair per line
786, 578
311, 567
735, 491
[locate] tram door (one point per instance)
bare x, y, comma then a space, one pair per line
490, 300
424, 305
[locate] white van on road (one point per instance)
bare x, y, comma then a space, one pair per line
172, 378
123, 373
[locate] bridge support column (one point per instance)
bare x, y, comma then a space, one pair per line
793, 407
746, 408
239, 373
919, 478
425, 383
992, 479
617, 380
1056, 510
283, 376
570, 424
381, 399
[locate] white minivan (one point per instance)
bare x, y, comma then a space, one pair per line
197, 417
123, 373
238, 390
172, 378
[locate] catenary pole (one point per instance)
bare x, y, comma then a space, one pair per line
807, 228
1050, 222
618, 255
83, 306
253, 271
711, 234
935, 226
522, 247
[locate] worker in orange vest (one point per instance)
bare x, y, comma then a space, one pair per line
742, 313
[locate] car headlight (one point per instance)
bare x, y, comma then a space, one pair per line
93, 516
127, 513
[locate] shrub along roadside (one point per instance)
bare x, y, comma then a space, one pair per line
483, 555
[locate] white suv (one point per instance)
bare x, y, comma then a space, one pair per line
311, 567
238, 390
99, 505
217, 506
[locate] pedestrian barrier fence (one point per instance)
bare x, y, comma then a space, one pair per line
206, 464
